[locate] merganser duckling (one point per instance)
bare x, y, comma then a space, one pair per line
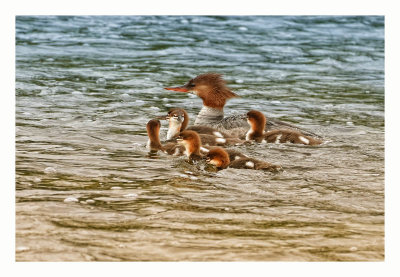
194, 149
178, 120
257, 122
192, 143
221, 159
154, 144
212, 89
219, 156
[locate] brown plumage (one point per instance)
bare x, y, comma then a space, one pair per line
210, 87
154, 144
234, 154
250, 163
218, 157
257, 122
192, 143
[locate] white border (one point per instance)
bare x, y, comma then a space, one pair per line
173, 7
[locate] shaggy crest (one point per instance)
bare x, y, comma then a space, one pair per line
212, 89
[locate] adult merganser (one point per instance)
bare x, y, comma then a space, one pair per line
212, 89
154, 144
257, 122
219, 156
178, 120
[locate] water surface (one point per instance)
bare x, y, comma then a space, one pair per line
86, 189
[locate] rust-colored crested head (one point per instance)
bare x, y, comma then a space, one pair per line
218, 157
257, 121
153, 131
210, 87
191, 141
179, 114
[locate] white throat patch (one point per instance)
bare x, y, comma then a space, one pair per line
174, 129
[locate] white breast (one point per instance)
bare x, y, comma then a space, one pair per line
278, 138
250, 164
305, 140
218, 134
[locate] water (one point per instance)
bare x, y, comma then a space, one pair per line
86, 189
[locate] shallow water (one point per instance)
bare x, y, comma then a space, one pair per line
86, 189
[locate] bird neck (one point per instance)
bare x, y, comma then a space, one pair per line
209, 116
173, 129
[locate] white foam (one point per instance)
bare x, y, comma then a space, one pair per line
22, 248
131, 195
49, 170
70, 199
220, 140
116, 188
101, 81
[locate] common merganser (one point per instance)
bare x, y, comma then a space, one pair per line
257, 122
219, 156
212, 89
178, 120
154, 144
